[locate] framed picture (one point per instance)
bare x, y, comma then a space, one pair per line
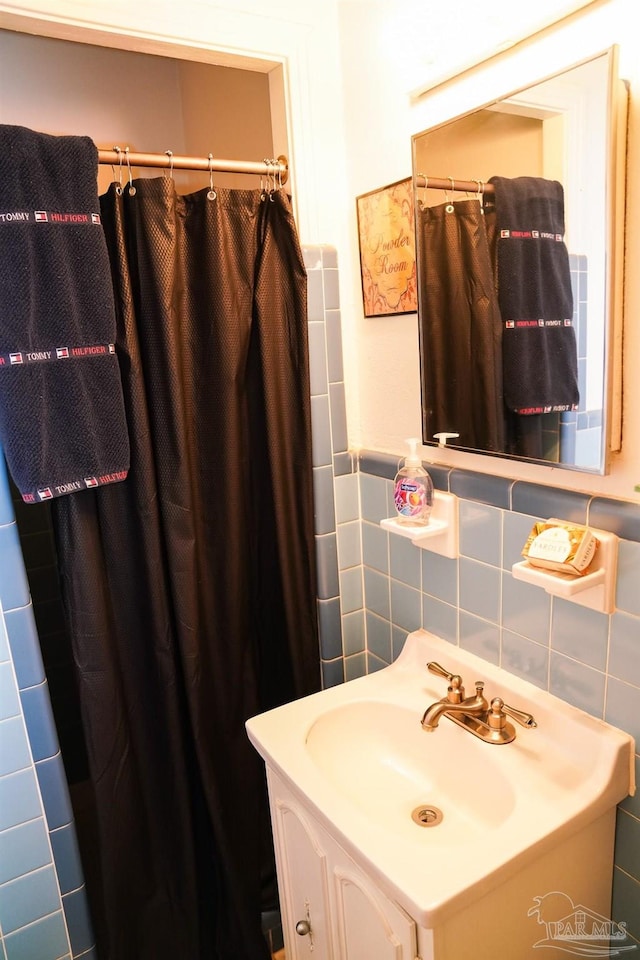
386, 233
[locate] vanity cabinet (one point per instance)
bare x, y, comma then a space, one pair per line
330, 909
522, 853
333, 910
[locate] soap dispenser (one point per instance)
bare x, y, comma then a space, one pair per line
413, 490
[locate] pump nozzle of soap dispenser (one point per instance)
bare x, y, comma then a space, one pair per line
443, 437
413, 460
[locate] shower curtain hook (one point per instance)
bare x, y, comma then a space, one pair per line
263, 191
481, 195
269, 178
211, 193
272, 167
423, 200
118, 151
132, 189
169, 153
449, 207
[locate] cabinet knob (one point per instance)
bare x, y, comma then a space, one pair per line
303, 928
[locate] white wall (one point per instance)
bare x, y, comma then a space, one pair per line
349, 67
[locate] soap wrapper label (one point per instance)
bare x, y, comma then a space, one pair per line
566, 548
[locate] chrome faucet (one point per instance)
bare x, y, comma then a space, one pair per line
486, 721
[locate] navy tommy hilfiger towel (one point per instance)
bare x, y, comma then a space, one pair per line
540, 365
62, 417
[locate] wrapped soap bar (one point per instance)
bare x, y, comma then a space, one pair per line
563, 547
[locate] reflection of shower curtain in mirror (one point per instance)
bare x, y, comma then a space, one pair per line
461, 327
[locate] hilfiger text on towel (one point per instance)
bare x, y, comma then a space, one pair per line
517, 324
530, 235
20, 357
49, 216
72, 486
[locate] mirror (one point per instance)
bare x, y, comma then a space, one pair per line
533, 381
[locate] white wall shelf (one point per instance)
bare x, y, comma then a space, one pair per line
441, 533
596, 590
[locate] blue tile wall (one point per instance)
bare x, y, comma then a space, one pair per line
43, 907
587, 658
336, 489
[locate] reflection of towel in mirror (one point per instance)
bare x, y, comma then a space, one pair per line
540, 364
62, 419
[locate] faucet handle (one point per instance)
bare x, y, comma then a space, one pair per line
499, 707
455, 692
439, 671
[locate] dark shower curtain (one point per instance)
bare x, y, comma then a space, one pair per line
190, 587
461, 326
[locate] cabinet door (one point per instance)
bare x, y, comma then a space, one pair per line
303, 882
320, 885
369, 926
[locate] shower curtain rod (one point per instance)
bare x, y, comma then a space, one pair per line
450, 183
278, 167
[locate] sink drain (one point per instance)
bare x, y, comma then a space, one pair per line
427, 816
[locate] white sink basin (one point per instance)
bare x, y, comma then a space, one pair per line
377, 756
358, 755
